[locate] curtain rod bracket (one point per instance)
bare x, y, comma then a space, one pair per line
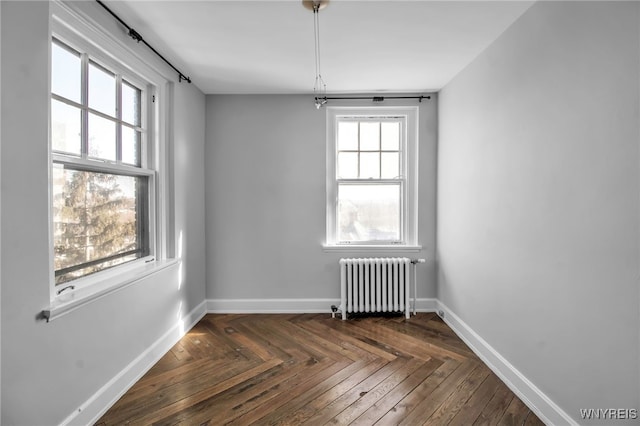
138, 38
135, 35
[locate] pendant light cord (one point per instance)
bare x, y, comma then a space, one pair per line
320, 87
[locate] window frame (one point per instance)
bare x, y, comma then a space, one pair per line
408, 182
73, 30
122, 78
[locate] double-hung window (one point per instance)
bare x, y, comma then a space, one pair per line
372, 177
103, 179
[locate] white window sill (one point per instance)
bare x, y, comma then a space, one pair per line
352, 248
69, 301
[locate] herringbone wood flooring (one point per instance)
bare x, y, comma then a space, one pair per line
312, 369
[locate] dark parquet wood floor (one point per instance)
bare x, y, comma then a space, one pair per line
311, 369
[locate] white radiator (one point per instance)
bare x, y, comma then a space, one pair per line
374, 285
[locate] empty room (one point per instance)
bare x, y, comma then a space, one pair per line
319, 212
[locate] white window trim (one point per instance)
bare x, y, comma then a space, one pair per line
76, 30
410, 161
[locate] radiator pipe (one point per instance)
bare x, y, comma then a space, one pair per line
415, 262
334, 309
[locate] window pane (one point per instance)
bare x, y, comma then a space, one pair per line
130, 146
370, 165
102, 138
131, 106
102, 90
390, 165
98, 221
347, 136
65, 128
369, 212
390, 136
369, 136
347, 165
65, 72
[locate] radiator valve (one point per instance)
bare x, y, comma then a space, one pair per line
334, 309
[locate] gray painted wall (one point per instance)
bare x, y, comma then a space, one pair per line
49, 369
265, 197
538, 211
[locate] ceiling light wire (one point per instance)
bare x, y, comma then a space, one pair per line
319, 87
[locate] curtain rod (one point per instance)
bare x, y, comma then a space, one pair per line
322, 100
137, 37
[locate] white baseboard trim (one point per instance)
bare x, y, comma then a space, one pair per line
290, 306
426, 305
270, 306
534, 398
92, 409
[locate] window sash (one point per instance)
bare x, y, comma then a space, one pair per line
407, 152
86, 111
63, 271
100, 166
144, 234
144, 183
360, 151
400, 214
399, 180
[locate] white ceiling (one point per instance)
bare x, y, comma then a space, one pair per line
267, 46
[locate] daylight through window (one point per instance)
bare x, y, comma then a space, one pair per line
370, 180
100, 184
371, 187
